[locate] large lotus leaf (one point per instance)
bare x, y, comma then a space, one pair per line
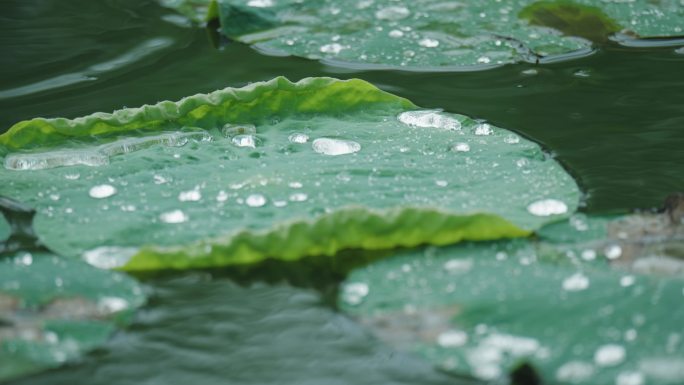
436, 34
576, 313
280, 170
52, 310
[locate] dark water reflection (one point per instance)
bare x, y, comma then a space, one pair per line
199, 330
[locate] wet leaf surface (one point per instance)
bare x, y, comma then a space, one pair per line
276, 169
596, 306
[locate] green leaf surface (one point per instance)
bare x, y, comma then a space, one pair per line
53, 310
438, 35
578, 315
276, 169
5, 229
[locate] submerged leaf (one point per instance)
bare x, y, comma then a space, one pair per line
53, 310
434, 34
276, 169
577, 312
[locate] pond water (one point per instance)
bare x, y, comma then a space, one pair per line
614, 119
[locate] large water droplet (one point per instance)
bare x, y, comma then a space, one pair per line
255, 200
169, 139
429, 119
52, 159
174, 216
109, 257
547, 207
329, 146
576, 282
102, 191
609, 355
392, 13
483, 129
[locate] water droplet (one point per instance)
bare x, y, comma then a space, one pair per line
333, 48
26, 259
429, 119
630, 378
483, 60
680, 51
109, 305
222, 196
229, 130
452, 338
574, 372
158, 179
460, 147
530, 72
576, 282
582, 74
354, 293
295, 185
279, 203
73, 176
298, 197
53, 159
547, 207
260, 3
393, 13
244, 141
396, 33
328, 146
588, 255
109, 257
102, 191
512, 139
174, 217
428, 43
613, 251
190, 196
298, 137
441, 183
609, 355
458, 266
483, 129
627, 280
255, 200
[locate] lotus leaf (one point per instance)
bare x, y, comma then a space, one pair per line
276, 169
578, 313
53, 310
436, 34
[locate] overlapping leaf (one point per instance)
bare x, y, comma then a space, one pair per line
436, 34
582, 308
53, 310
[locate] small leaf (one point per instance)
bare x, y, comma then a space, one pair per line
53, 310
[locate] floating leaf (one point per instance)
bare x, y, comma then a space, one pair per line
276, 169
53, 310
576, 314
434, 34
